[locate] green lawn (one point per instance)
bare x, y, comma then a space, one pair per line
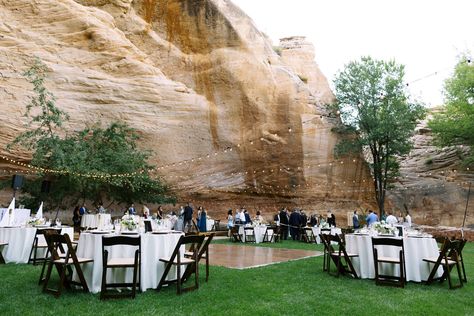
293, 288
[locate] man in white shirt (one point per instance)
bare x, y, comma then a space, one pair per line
391, 220
408, 219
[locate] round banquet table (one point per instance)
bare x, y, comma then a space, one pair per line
95, 220
20, 241
317, 231
153, 247
416, 248
258, 230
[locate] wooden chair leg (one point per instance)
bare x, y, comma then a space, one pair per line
178, 279
62, 280
48, 276
104, 280
207, 265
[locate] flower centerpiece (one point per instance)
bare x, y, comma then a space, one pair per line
129, 222
383, 228
32, 221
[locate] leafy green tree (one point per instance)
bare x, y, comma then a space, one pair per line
455, 124
378, 117
96, 163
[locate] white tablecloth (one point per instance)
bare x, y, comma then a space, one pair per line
209, 224
259, 232
415, 250
20, 241
95, 220
153, 247
317, 231
21, 215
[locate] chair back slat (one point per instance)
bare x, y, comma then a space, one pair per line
120, 240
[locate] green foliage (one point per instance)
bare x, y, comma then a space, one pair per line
455, 125
378, 116
85, 158
46, 117
298, 287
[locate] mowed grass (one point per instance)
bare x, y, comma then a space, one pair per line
293, 288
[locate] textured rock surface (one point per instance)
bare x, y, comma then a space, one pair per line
433, 184
197, 79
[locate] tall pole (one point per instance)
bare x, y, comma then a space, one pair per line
465, 211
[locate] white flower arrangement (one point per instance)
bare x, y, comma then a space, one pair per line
129, 222
383, 228
32, 221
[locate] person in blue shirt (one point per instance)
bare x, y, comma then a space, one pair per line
131, 210
355, 220
83, 210
371, 218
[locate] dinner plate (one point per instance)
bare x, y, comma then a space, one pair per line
129, 233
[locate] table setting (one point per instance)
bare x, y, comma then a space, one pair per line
417, 245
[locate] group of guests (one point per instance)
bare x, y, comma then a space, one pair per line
373, 217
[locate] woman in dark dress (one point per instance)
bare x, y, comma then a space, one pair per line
202, 221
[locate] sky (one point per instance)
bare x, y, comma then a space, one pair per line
425, 36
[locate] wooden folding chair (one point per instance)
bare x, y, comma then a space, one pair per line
249, 234
148, 227
120, 262
269, 234
63, 265
2, 244
177, 259
341, 258
48, 256
385, 279
448, 259
308, 235
458, 251
203, 254
234, 233
39, 244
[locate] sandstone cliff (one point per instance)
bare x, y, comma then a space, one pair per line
230, 121
433, 184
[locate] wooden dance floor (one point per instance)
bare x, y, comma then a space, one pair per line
244, 257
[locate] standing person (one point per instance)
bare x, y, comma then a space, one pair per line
230, 222
284, 224
203, 220
276, 218
295, 222
83, 210
132, 210
76, 218
408, 219
146, 212
304, 219
371, 218
198, 217
248, 220
242, 217
159, 213
331, 219
355, 220
188, 217
259, 217
391, 220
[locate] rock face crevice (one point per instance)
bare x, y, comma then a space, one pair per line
230, 121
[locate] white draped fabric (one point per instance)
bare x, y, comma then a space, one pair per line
20, 240
416, 248
209, 224
21, 216
317, 231
95, 220
39, 213
153, 247
259, 232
